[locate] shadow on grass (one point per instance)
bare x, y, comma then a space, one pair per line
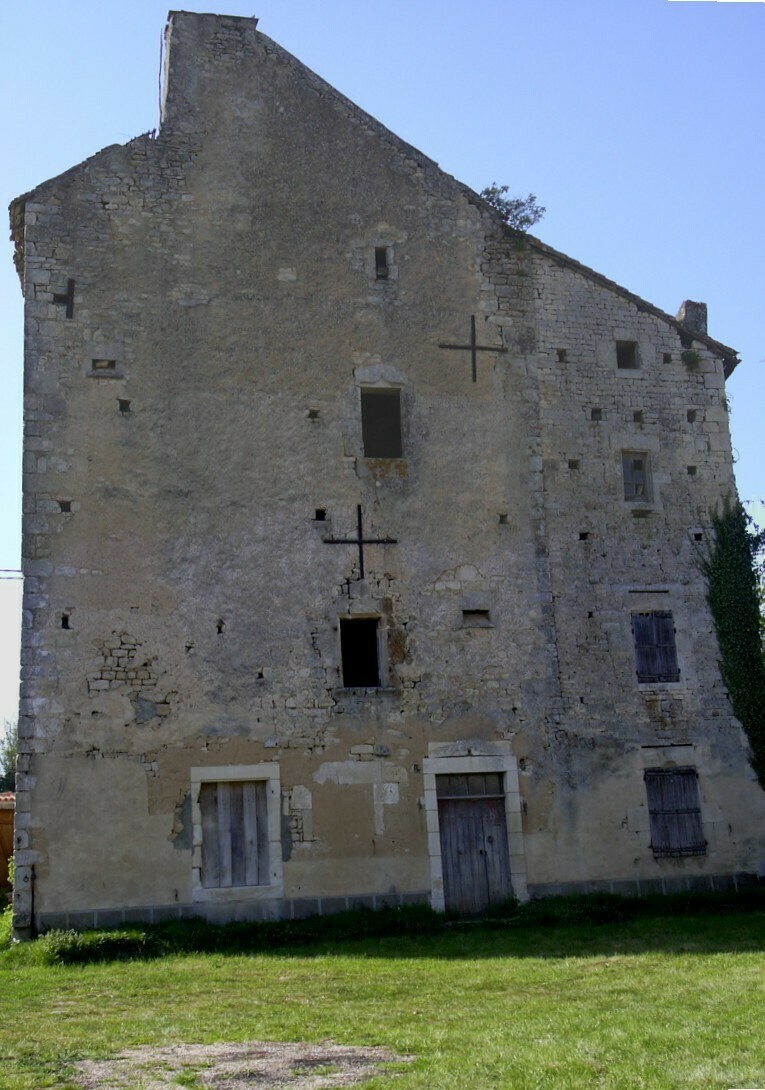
556, 927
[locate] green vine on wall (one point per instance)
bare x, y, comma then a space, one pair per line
731, 567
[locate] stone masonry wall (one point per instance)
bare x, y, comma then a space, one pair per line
194, 440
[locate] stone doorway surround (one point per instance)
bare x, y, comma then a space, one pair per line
445, 758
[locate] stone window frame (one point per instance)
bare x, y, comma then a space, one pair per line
268, 772
647, 500
389, 280
465, 758
371, 374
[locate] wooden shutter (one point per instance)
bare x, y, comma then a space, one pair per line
655, 649
234, 834
674, 810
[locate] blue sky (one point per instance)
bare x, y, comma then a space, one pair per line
638, 123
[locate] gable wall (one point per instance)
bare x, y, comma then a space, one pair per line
227, 267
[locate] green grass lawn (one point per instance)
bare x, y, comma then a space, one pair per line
670, 1002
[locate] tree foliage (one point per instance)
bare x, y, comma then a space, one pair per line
518, 212
8, 749
733, 565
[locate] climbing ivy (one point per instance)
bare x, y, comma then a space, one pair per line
732, 565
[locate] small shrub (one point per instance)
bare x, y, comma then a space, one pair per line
6, 927
690, 358
80, 947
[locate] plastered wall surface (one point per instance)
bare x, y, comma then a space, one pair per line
193, 439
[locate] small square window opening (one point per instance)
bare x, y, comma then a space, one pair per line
627, 356
476, 618
381, 423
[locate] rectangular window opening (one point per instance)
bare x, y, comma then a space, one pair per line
691, 416
636, 474
103, 365
234, 834
627, 356
655, 648
596, 414
674, 811
381, 263
476, 618
360, 652
381, 423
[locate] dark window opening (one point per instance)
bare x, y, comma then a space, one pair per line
320, 514
584, 535
636, 473
313, 414
476, 618
360, 652
65, 505
65, 620
561, 355
124, 405
503, 519
691, 415
381, 423
686, 341
596, 414
667, 357
573, 463
637, 416
674, 811
691, 471
655, 649
698, 536
381, 263
219, 625
626, 355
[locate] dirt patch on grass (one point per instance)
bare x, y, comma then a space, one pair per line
255, 1065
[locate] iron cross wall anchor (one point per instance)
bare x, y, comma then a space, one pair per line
473, 348
360, 541
66, 299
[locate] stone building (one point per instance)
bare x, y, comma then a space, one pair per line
359, 533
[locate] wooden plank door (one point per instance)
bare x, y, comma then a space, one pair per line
474, 853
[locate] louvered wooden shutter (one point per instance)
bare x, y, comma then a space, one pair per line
674, 810
655, 649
